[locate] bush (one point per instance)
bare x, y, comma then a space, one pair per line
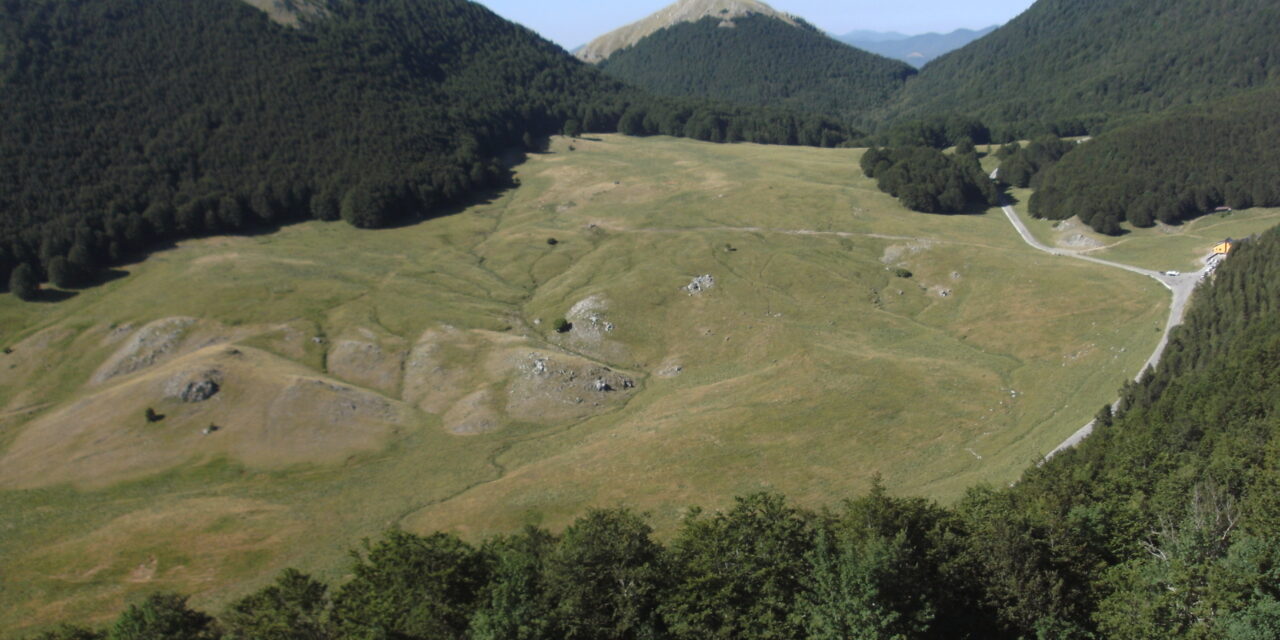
902, 273
23, 282
562, 325
61, 273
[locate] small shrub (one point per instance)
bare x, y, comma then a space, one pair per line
562, 325
902, 273
152, 416
552, 241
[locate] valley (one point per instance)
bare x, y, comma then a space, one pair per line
413, 377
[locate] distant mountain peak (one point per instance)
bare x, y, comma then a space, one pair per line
682, 11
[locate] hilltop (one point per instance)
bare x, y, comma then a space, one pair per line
759, 60
724, 11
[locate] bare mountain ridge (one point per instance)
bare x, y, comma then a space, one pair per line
683, 11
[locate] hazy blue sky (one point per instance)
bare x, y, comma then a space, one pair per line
575, 22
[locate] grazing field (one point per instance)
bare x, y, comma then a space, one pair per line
414, 377
1163, 247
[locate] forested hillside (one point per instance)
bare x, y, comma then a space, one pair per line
1066, 67
1170, 168
1161, 525
760, 60
129, 123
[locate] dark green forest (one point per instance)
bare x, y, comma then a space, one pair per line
760, 61
1170, 168
1068, 67
132, 123
1160, 525
1022, 166
927, 180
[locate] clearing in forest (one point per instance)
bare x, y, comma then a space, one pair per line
414, 376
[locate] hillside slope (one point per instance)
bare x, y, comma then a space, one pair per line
1078, 65
129, 124
759, 60
1170, 168
681, 11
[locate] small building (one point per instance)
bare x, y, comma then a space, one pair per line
1224, 247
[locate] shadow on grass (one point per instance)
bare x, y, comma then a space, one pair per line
100, 277
54, 295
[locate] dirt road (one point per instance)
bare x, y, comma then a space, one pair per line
1181, 286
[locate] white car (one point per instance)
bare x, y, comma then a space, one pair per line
1173, 273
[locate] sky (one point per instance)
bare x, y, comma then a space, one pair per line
571, 23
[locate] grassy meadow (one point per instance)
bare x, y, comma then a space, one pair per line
412, 376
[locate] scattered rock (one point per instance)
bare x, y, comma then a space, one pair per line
1079, 241
671, 371
700, 284
210, 429
194, 386
151, 344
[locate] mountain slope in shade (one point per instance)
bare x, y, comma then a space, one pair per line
1078, 65
761, 61
724, 11
914, 50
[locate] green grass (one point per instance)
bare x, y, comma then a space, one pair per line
809, 367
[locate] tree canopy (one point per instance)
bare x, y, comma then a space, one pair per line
929, 181
1170, 168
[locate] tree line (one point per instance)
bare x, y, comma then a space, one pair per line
130, 124
927, 180
1170, 168
1160, 525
